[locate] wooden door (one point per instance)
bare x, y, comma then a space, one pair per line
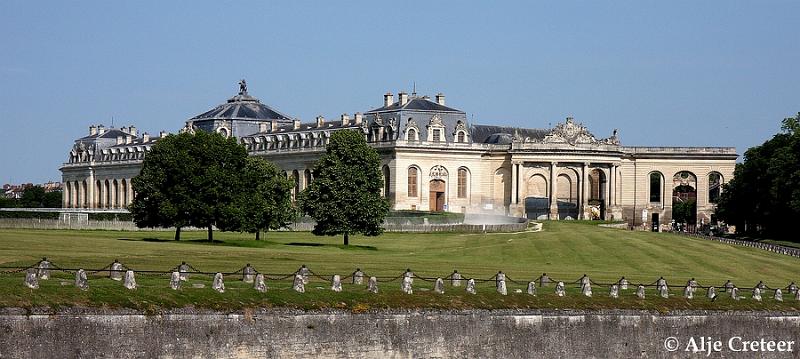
436, 199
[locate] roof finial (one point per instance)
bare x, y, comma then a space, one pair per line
414, 91
243, 87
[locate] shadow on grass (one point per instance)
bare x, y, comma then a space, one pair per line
146, 239
341, 246
203, 241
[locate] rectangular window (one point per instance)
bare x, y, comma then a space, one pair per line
437, 135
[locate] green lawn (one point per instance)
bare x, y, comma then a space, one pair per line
565, 250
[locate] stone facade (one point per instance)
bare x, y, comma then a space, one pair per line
434, 159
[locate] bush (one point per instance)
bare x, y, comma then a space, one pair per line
24, 214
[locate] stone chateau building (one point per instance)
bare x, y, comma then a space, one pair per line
434, 159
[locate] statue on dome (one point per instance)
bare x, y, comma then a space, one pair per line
243, 87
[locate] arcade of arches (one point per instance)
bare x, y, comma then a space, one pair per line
109, 193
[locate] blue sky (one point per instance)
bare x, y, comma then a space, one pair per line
710, 73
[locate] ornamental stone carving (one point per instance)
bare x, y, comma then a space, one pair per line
436, 121
571, 133
438, 172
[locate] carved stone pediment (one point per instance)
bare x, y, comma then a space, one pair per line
570, 133
438, 172
436, 121
412, 124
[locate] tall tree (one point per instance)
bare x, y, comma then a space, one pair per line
187, 180
764, 195
32, 197
345, 195
52, 199
263, 199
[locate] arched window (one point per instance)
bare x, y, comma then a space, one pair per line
460, 137
656, 187
385, 181
296, 180
412, 135
307, 175
714, 186
462, 182
413, 174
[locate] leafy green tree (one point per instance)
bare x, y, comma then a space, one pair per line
685, 211
6, 202
263, 201
345, 195
52, 199
187, 180
32, 197
764, 195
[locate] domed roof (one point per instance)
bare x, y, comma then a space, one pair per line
242, 107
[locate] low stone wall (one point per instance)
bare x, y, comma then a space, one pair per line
416, 334
35, 223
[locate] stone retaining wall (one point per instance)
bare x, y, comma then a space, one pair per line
416, 334
35, 223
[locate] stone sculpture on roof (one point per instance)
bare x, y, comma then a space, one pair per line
243, 87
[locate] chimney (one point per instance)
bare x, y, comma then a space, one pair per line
388, 99
92, 130
296, 124
358, 118
132, 131
128, 139
345, 120
101, 129
162, 134
403, 98
145, 137
440, 98
320, 121
273, 126
119, 140
262, 127
124, 129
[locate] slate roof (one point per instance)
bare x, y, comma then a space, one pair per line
416, 104
307, 127
109, 133
242, 107
503, 134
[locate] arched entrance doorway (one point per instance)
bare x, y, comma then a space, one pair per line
597, 194
567, 195
684, 199
437, 190
537, 202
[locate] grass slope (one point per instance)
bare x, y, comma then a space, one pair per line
565, 250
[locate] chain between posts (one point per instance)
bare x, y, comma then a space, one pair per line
326, 277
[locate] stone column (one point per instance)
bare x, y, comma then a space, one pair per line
90, 189
553, 191
114, 194
613, 181
81, 195
607, 196
65, 195
514, 182
102, 200
74, 195
586, 192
